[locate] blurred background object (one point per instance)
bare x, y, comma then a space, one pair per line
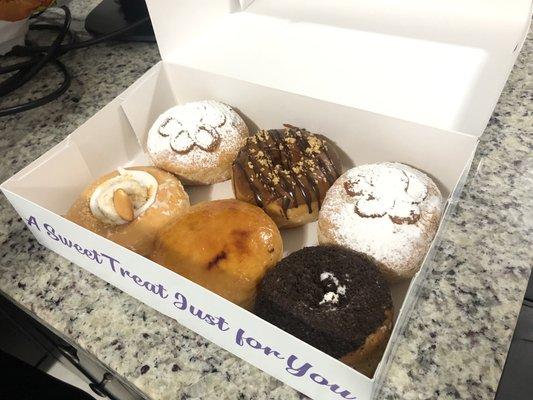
110, 20
112, 15
14, 21
16, 10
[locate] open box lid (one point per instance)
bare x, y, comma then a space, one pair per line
440, 63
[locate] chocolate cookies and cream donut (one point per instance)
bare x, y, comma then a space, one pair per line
129, 206
287, 172
333, 299
224, 245
197, 141
388, 211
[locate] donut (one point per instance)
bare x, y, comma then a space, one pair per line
197, 141
388, 211
129, 206
333, 299
224, 245
287, 173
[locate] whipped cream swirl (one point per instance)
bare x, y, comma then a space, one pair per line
140, 186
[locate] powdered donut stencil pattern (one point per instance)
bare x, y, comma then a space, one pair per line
387, 211
387, 191
203, 135
197, 141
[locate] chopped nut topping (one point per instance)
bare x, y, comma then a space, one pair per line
287, 158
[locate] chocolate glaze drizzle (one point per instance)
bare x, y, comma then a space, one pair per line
291, 166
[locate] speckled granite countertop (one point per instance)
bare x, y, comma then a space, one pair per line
453, 346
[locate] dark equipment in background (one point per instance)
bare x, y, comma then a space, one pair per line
109, 21
111, 15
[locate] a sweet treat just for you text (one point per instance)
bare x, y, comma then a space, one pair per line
129, 206
287, 172
197, 141
388, 211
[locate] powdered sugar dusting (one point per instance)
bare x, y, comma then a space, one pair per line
196, 134
381, 210
386, 191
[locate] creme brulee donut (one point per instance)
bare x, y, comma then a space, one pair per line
287, 172
332, 298
388, 211
130, 206
224, 245
197, 141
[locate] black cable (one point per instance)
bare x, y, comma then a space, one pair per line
22, 52
42, 55
45, 99
77, 45
25, 74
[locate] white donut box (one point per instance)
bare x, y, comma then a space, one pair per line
412, 81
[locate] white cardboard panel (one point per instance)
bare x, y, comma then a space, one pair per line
143, 103
107, 140
53, 180
178, 21
101, 144
442, 64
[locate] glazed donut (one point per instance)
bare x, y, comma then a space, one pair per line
287, 172
333, 299
224, 245
130, 205
388, 211
197, 141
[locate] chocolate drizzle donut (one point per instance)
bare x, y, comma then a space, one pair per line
287, 172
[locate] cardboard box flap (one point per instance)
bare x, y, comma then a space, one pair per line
442, 64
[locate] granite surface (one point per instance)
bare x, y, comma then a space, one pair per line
454, 344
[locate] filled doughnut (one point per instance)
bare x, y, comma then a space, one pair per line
224, 245
130, 205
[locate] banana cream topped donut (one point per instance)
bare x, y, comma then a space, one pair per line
197, 141
287, 172
130, 206
388, 211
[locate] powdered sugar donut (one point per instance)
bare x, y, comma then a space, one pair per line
388, 211
197, 141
